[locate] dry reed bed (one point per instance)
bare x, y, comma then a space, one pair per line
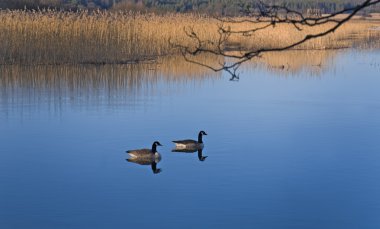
350, 34
51, 37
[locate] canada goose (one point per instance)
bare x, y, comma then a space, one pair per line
188, 143
147, 161
191, 150
146, 153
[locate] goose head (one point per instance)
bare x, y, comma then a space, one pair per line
201, 133
154, 146
157, 143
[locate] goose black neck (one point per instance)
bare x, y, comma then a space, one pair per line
200, 138
154, 148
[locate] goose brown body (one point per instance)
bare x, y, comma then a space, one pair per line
146, 153
191, 144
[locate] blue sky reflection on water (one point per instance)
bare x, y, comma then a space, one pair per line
284, 151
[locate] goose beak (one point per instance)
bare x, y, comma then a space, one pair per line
204, 133
159, 144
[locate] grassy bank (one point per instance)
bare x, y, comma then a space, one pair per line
50, 37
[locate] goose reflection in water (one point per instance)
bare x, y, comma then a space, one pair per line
191, 150
147, 161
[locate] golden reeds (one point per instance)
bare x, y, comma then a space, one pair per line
50, 37
350, 34
54, 37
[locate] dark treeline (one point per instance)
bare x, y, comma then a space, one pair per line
236, 7
220, 7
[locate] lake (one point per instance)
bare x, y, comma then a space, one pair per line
292, 144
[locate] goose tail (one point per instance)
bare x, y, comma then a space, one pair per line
131, 154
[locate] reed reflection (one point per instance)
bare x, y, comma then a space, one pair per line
296, 62
93, 85
313, 62
113, 85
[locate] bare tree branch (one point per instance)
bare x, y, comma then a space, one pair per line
270, 15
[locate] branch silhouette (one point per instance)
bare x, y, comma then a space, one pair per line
270, 15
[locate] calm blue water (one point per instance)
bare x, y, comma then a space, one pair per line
285, 150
